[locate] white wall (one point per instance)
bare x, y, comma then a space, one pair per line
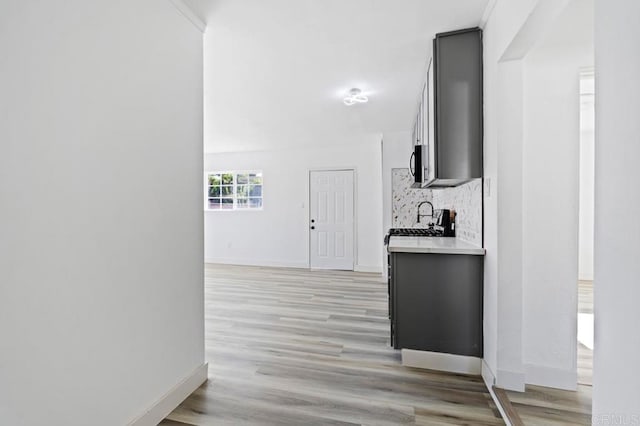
551, 186
616, 369
278, 235
502, 291
510, 373
101, 278
531, 169
587, 176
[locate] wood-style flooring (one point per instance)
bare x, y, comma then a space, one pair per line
585, 355
540, 406
298, 347
544, 406
585, 297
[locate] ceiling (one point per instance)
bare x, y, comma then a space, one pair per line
276, 71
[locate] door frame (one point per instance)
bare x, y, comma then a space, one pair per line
355, 209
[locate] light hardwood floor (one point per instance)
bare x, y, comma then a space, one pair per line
585, 355
297, 347
545, 406
552, 407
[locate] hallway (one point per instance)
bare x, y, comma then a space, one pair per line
292, 346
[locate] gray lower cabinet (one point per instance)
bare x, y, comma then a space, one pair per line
436, 302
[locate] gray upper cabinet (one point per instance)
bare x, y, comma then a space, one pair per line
457, 109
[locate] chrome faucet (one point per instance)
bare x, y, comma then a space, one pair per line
420, 205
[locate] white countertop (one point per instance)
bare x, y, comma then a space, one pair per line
441, 245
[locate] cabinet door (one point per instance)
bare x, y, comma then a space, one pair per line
420, 122
428, 101
438, 303
390, 260
458, 99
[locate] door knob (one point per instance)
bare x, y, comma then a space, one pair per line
313, 221
313, 227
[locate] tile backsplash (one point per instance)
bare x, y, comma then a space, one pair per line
465, 199
404, 204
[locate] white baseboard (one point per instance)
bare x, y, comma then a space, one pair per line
489, 381
487, 375
369, 269
165, 405
279, 264
551, 377
442, 362
254, 262
510, 380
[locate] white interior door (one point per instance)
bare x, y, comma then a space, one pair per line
331, 219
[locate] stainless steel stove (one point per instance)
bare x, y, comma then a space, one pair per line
416, 232
413, 232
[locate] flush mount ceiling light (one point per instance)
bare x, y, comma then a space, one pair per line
355, 96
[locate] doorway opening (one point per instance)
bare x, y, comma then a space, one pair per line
586, 228
331, 219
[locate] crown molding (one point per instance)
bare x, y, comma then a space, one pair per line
186, 11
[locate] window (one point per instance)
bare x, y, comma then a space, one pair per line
234, 190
